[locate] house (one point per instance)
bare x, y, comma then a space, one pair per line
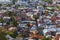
33, 29
57, 21
56, 1
6, 18
47, 21
2, 24
48, 31
57, 37
22, 2
58, 29
5, 2
40, 7
1, 14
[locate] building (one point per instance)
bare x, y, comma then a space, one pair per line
5, 1
57, 37
56, 1
22, 2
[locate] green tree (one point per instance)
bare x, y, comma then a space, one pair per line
8, 23
47, 38
58, 7
36, 17
8, 5
1, 20
46, 13
2, 35
55, 14
0, 5
14, 1
13, 33
9, 13
13, 21
28, 25
16, 6
49, 1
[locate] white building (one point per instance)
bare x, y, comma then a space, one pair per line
22, 2
5, 1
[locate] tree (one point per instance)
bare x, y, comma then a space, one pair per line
55, 14
58, 7
1, 21
13, 21
49, 1
14, 1
8, 23
28, 25
0, 5
13, 33
2, 35
47, 38
16, 6
9, 13
36, 17
50, 8
46, 13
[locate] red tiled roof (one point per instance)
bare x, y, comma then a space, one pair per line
36, 36
41, 37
